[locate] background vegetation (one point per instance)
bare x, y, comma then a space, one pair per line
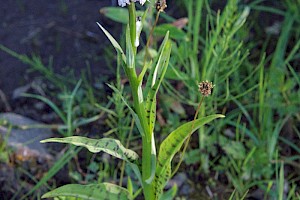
248, 49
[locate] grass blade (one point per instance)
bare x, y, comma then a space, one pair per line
49, 103
113, 42
54, 169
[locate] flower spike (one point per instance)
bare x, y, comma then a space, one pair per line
125, 2
205, 88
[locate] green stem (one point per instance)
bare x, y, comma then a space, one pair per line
146, 139
140, 110
132, 24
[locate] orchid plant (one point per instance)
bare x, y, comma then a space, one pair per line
152, 170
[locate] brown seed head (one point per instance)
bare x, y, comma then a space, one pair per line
205, 88
161, 5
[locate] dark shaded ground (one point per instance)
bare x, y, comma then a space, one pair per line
63, 29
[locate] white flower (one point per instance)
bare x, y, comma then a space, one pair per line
125, 2
141, 1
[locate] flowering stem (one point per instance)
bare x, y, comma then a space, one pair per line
188, 138
132, 24
146, 138
140, 110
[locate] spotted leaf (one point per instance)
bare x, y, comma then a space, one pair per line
107, 145
170, 146
155, 79
104, 191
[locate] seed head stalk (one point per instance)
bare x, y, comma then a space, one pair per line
188, 138
160, 7
132, 24
205, 88
150, 36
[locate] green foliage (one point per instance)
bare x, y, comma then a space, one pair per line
175, 33
144, 113
259, 92
93, 191
170, 146
108, 145
119, 15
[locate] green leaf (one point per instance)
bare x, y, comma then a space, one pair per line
130, 58
152, 71
175, 33
118, 14
105, 191
155, 79
153, 161
171, 145
170, 194
108, 145
129, 186
113, 42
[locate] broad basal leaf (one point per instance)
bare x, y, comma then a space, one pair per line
170, 146
103, 191
108, 145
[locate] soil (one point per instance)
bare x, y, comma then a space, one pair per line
64, 30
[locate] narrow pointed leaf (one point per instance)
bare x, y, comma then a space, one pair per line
170, 194
105, 191
153, 161
155, 79
171, 145
152, 71
130, 58
113, 42
108, 145
49, 103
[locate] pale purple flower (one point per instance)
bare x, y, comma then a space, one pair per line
125, 2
